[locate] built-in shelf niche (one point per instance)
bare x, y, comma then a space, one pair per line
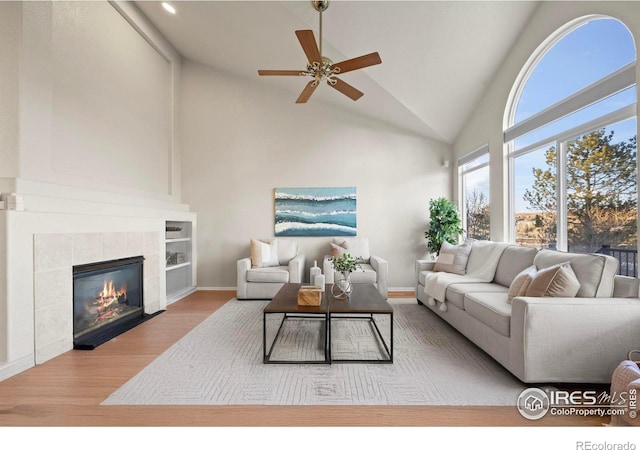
179, 259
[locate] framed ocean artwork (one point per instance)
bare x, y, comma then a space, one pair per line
323, 211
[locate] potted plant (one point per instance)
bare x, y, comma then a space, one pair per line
444, 224
345, 264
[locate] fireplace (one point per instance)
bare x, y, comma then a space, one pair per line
107, 300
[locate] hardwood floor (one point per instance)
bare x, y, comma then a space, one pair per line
67, 391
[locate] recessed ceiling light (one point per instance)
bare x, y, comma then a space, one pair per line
167, 7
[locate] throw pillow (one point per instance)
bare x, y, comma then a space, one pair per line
264, 254
358, 247
453, 258
555, 281
624, 378
287, 250
521, 282
337, 251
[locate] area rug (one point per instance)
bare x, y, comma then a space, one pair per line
220, 362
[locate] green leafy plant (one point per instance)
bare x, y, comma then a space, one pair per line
444, 224
346, 263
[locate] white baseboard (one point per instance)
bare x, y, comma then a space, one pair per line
402, 289
180, 295
16, 367
214, 288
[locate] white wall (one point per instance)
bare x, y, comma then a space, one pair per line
96, 101
242, 139
90, 91
10, 36
486, 123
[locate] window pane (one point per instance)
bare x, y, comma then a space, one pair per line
476, 204
602, 190
599, 109
535, 198
580, 58
476, 162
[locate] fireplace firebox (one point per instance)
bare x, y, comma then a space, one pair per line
107, 300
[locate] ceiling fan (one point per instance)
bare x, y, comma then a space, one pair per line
321, 68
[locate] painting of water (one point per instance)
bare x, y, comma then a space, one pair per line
324, 211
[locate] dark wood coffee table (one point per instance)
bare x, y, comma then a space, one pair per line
286, 302
363, 304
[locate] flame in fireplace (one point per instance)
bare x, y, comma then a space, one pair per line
110, 294
108, 302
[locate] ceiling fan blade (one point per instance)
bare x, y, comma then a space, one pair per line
345, 88
358, 63
309, 45
279, 72
307, 91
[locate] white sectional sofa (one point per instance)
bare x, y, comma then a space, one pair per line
568, 339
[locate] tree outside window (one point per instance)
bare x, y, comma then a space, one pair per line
475, 195
477, 215
601, 192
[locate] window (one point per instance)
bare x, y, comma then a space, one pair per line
536, 209
474, 176
572, 145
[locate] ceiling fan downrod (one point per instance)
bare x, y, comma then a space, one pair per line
320, 6
321, 70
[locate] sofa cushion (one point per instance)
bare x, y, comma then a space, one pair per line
453, 258
268, 274
365, 274
357, 247
476, 259
514, 260
456, 292
422, 276
491, 309
595, 272
626, 287
554, 281
287, 250
521, 282
264, 253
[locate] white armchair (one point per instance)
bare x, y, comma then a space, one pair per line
374, 270
272, 264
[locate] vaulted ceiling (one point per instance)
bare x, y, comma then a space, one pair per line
438, 57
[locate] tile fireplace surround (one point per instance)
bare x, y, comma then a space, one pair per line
55, 254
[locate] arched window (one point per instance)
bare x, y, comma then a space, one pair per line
571, 134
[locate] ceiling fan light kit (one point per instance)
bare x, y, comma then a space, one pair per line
321, 68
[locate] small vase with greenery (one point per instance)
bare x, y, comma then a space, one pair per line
345, 264
444, 224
